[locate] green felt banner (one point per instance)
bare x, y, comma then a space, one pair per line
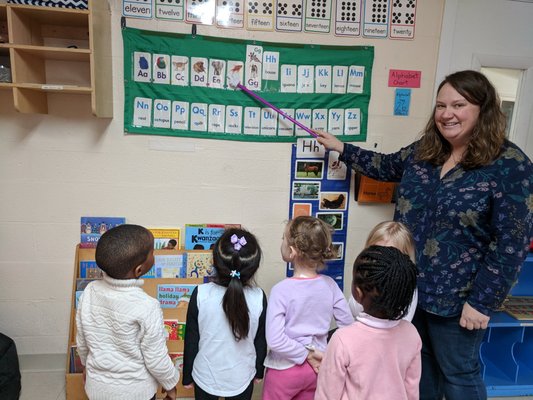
180, 85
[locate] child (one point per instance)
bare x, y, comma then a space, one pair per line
300, 311
120, 331
395, 234
225, 342
378, 357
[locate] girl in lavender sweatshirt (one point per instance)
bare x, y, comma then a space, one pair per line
299, 313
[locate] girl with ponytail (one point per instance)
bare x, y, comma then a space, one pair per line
225, 343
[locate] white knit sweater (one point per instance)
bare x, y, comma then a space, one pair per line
121, 341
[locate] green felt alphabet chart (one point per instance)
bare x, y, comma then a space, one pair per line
180, 85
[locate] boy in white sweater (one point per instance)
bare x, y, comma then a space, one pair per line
120, 331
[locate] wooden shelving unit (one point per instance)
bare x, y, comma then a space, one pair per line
58, 50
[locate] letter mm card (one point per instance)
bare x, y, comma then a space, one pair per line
259, 15
402, 19
376, 18
230, 14
318, 16
289, 15
171, 10
348, 18
200, 12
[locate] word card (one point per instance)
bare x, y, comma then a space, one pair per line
318, 16
289, 15
200, 11
230, 14
137, 8
402, 19
348, 18
376, 18
253, 67
260, 15
172, 9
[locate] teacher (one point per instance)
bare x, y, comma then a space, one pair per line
465, 193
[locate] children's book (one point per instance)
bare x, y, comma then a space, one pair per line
76, 366
520, 307
174, 329
166, 238
174, 295
204, 236
81, 283
199, 264
170, 266
89, 270
94, 227
177, 359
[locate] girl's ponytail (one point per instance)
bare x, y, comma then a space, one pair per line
236, 258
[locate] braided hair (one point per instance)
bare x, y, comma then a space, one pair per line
312, 238
235, 269
388, 277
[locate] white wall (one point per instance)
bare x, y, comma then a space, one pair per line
492, 33
55, 168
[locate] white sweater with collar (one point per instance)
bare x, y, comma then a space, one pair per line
121, 341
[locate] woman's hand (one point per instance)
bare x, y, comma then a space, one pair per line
329, 141
473, 319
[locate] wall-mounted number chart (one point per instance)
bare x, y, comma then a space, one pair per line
179, 85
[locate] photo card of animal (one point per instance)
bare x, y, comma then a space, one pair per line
348, 18
333, 201
289, 15
376, 18
230, 14
199, 67
336, 168
318, 16
161, 69
179, 70
217, 74
309, 169
142, 66
259, 15
200, 12
335, 220
169, 9
253, 67
338, 250
402, 19
305, 190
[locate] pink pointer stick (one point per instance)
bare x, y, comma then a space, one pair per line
257, 97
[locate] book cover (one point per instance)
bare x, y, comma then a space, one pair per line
174, 329
76, 367
170, 266
77, 298
204, 236
174, 295
81, 283
177, 359
199, 264
166, 238
94, 227
150, 274
89, 270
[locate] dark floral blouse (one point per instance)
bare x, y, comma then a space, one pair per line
472, 228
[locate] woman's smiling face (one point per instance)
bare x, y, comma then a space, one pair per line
455, 116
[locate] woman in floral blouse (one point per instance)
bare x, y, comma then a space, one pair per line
466, 193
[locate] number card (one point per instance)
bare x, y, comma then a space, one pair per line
230, 14
376, 18
174, 10
135, 8
402, 19
289, 15
260, 15
318, 16
200, 11
348, 18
